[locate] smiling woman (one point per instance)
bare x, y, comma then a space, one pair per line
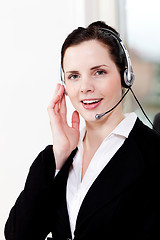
102, 182
93, 82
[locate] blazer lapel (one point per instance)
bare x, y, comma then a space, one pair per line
124, 168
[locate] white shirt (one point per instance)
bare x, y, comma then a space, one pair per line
77, 189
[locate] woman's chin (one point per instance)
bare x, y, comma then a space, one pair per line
89, 117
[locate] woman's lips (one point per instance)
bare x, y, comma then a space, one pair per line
90, 104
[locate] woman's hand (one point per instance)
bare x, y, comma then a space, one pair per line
65, 138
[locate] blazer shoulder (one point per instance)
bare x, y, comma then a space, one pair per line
147, 140
141, 131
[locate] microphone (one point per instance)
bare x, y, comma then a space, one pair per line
98, 116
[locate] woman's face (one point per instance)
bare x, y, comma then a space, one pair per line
93, 82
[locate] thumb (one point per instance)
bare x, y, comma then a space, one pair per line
75, 120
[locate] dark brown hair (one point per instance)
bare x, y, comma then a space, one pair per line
93, 32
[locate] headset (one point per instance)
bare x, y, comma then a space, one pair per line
127, 77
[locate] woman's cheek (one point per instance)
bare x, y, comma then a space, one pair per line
72, 96
72, 92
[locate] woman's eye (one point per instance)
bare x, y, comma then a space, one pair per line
100, 72
73, 76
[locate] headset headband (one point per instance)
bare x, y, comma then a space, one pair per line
128, 77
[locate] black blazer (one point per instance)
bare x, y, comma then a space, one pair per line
123, 202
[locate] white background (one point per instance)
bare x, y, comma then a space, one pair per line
143, 25
31, 35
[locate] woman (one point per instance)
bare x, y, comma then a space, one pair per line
102, 182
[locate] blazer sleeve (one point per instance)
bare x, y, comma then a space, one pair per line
30, 217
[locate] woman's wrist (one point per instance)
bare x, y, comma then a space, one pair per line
60, 158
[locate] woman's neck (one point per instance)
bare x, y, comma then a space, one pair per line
96, 132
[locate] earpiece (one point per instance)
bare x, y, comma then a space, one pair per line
62, 79
127, 77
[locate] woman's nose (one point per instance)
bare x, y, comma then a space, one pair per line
86, 85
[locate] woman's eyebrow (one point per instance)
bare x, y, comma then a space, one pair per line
102, 65
95, 67
74, 72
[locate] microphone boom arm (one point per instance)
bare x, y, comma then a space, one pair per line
98, 116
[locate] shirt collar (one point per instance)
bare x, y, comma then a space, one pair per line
125, 126
123, 129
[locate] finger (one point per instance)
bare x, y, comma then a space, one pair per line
57, 88
75, 120
55, 102
52, 108
61, 91
63, 109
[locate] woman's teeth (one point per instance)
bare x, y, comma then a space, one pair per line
91, 101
